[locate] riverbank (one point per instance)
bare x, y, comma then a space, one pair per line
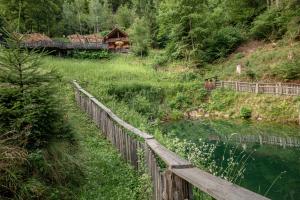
228, 104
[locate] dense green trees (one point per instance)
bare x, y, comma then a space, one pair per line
198, 31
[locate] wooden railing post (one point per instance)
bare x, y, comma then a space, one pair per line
256, 88
237, 86
176, 187
279, 89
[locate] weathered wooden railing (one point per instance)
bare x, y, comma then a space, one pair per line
66, 45
177, 180
266, 88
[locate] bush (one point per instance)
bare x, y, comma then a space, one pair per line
142, 105
91, 54
221, 43
288, 70
180, 101
221, 99
251, 74
246, 112
159, 61
273, 23
125, 92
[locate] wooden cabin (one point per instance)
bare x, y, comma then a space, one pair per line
117, 40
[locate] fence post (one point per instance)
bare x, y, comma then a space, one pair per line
256, 88
176, 188
237, 86
279, 89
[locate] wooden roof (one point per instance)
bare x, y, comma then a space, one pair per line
35, 37
85, 38
116, 33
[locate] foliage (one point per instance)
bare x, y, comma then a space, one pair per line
91, 55
221, 99
269, 25
124, 17
221, 43
246, 112
288, 70
139, 36
31, 124
159, 61
230, 167
28, 98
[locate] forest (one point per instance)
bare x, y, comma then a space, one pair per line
49, 149
199, 31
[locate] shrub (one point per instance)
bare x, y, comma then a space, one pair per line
142, 105
176, 115
159, 61
288, 70
91, 54
221, 43
188, 76
180, 101
246, 112
125, 92
251, 74
273, 23
221, 99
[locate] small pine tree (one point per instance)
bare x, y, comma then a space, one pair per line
28, 97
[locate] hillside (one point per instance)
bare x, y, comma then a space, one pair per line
261, 61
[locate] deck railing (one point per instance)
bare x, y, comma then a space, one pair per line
65, 45
265, 88
176, 181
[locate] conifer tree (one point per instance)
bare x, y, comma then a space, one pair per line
28, 96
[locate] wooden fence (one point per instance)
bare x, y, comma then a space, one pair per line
176, 181
66, 45
265, 88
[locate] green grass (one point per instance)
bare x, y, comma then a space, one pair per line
106, 175
139, 94
262, 62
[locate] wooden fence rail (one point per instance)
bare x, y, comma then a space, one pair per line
265, 88
176, 181
66, 45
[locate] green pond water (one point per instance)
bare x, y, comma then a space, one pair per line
269, 161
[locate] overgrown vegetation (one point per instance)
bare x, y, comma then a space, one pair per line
90, 55
36, 138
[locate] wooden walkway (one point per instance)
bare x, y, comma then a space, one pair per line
176, 182
261, 88
65, 45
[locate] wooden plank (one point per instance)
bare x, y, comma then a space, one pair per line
215, 186
170, 158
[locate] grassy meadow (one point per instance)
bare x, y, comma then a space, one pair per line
146, 98
140, 94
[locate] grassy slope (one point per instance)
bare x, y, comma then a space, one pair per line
258, 57
107, 176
